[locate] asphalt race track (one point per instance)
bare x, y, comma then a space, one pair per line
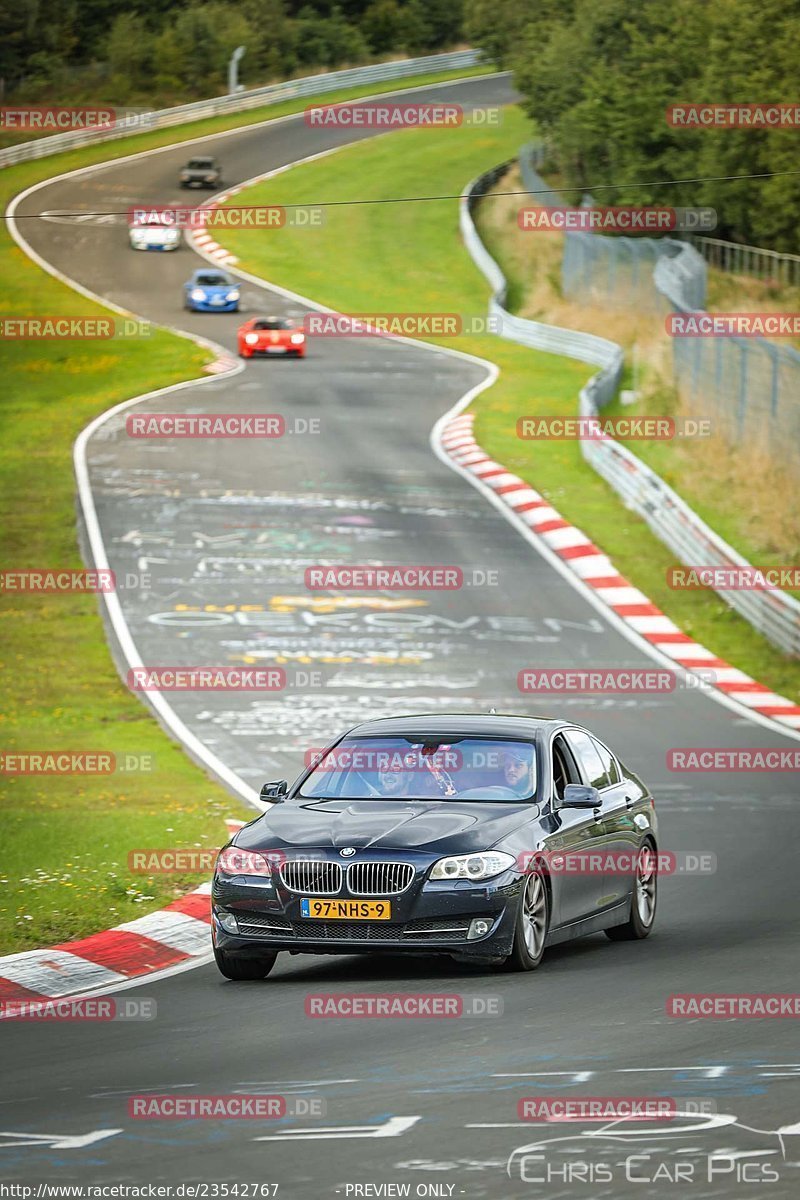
233, 525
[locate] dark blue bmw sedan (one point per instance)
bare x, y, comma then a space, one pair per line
488, 838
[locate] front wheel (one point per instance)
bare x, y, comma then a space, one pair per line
643, 900
233, 967
533, 922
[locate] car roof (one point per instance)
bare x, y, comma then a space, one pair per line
426, 725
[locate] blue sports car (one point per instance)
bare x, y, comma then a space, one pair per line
210, 290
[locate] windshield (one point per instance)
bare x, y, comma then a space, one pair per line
200, 164
274, 323
401, 769
211, 280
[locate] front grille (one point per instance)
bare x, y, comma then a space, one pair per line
448, 930
348, 931
263, 925
379, 878
421, 932
311, 878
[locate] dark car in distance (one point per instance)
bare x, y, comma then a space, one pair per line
488, 838
201, 171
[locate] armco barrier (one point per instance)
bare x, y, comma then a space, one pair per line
773, 613
310, 85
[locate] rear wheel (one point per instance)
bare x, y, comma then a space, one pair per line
533, 922
643, 900
233, 967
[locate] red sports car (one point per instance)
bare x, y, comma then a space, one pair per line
271, 335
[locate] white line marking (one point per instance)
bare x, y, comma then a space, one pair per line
394, 1127
57, 1141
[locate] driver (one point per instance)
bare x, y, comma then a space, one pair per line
518, 772
393, 780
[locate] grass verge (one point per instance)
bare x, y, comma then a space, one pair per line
63, 866
410, 258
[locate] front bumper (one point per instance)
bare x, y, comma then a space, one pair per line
207, 306
429, 918
273, 351
160, 246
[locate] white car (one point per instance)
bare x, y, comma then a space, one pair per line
154, 233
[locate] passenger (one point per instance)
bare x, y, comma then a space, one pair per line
518, 772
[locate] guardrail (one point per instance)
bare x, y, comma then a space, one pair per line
274, 93
773, 613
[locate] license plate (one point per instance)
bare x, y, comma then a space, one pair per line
346, 910
276, 349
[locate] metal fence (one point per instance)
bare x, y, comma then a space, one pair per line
275, 93
749, 388
769, 265
773, 613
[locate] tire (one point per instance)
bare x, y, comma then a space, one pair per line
233, 967
533, 923
643, 900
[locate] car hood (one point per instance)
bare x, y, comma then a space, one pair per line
445, 827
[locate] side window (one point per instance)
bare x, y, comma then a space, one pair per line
607, 759
564, 768
585, 750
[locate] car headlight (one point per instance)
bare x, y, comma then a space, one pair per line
297, 339
233, 861
473, 866
198, 294
251, 338
234, 295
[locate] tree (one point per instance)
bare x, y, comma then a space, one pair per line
383, 26
496, 26
345, 43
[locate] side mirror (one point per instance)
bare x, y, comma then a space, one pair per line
576, 795
274, 792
